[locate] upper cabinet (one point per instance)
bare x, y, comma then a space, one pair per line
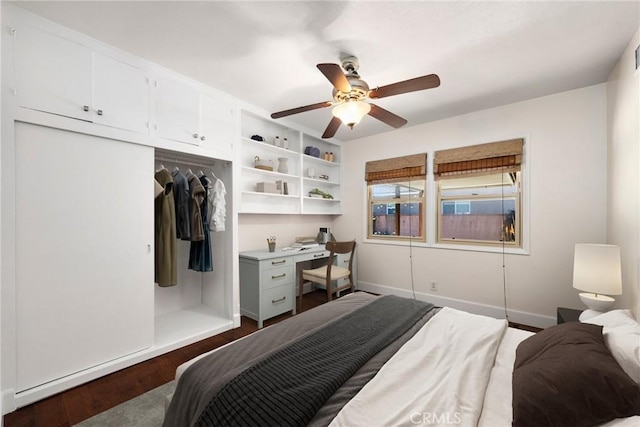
58, 75
218, 122
120, 95
52, 74
62, 77
177, 111
278, 177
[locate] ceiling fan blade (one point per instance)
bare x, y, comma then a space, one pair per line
331, 130
411, 85
285, 113
334, 73
386, 116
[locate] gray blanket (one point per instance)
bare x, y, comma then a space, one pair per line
202, 381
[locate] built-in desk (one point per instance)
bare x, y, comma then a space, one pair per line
268, 281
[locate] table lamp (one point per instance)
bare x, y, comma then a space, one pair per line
596, 270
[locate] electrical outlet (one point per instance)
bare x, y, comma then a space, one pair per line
434, 286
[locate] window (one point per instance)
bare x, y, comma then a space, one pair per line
396, 198
483, 209
479, 194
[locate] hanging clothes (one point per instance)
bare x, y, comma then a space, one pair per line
166, 260
158, 189
217, 205
197, 196
181, 196
200, 258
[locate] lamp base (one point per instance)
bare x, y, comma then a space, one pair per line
596, 302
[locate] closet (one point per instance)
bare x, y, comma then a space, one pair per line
199, 300
79, 298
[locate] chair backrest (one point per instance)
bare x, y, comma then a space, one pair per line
341, 248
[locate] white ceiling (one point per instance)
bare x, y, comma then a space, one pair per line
486, 53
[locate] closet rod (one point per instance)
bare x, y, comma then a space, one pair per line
182, 162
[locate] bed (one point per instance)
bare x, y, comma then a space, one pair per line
364, 360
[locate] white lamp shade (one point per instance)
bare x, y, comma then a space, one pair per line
351, 112
596, 269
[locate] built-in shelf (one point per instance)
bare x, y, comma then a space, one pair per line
302, 170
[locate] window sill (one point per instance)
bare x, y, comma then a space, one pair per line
471, 248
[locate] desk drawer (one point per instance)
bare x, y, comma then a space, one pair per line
277, 277
276, 262
312, 255
277, 301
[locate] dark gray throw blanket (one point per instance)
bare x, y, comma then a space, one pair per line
288, 387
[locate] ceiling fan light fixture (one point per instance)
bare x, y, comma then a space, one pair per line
351, 112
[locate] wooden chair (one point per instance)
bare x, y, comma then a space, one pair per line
328, 273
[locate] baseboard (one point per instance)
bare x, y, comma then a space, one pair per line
516, 316
8, 401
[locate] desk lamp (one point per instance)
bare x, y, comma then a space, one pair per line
596, 270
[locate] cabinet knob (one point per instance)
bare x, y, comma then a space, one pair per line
195, 135
99, 112
202, 138
85, 108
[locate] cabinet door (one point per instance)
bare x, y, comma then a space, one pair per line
121, 95
177, 111
52, 74
84, 252
218, 117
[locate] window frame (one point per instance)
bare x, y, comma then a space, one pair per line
398, 201
516, 244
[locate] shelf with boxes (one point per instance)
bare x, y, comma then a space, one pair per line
277, 174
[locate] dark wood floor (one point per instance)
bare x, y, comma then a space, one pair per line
82, 402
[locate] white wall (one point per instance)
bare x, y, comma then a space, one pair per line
623, 222
253, 230
566, 140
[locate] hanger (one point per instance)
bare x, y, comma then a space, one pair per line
190, 171
214, 175
161, 167
176, 169
200, 173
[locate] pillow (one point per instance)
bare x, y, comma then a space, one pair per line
622, 337
565, 375
613, 319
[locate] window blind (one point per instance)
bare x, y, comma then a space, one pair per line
483, 159
396, 169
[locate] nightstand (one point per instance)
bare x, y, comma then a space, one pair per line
568, 315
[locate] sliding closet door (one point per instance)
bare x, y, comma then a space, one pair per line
84, 252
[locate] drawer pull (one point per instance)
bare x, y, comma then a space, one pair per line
319, 255
273, 301
282, 261
279, 276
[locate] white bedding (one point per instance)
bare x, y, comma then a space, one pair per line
439, 377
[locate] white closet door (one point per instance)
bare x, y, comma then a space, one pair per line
84, 252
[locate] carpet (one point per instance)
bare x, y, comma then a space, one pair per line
146, 410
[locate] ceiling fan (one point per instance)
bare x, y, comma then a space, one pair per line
350, 93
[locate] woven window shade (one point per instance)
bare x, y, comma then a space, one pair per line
396, 169
483, 159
